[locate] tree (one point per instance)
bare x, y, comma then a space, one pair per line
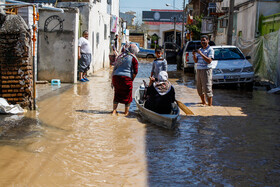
195, 27
154, 41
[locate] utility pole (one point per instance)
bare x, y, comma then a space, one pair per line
183, 26
230, 22
174, 29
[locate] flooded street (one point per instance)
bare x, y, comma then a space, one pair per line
72, 139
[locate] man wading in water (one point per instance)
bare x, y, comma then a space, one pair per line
84, 54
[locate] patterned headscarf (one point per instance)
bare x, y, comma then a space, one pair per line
162, 86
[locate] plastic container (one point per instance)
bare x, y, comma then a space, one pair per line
55, 82
141, 92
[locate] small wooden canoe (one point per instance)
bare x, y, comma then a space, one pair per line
163, 120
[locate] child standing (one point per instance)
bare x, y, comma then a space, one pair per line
160, 64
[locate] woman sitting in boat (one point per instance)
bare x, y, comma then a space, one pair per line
160, 94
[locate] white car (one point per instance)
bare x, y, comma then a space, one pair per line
231, 66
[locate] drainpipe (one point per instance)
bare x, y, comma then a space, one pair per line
230, 23
257, 32
31, 4
183, 26
35, 18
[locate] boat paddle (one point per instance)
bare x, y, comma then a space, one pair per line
184, 108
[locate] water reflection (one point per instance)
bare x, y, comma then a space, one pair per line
72, 140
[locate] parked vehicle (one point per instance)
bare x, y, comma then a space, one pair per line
170, 52
136, 43
187, 57
146, 53
230, 66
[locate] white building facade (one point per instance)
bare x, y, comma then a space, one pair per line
163, 23
246, 18
96, 17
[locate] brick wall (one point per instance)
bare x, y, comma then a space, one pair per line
16, 62
137, 38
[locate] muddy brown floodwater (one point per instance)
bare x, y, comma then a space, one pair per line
72, 140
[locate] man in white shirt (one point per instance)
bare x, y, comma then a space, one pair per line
84, 55
203, 59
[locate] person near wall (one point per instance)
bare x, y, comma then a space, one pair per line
203, 57
125, 70
116, 42
160, 95
84, 55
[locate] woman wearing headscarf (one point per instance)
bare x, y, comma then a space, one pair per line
125, 70
161, 95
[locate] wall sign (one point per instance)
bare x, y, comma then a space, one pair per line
53, 24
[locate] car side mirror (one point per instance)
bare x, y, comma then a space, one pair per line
248, 57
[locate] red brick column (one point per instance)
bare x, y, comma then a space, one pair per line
16, 64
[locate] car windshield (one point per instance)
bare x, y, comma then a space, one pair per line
227, 54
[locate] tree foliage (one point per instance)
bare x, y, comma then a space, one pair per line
154, 41
195, 27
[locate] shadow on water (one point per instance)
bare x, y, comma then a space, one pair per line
214, 151
95, 111
131, 113
218, 150
20, 131
46, 91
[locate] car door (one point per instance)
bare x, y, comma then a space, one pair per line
170, 52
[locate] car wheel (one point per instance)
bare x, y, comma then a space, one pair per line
150, 56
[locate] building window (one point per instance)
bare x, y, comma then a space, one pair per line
92, 42
105, 32
223, 23
109, 3
97, 39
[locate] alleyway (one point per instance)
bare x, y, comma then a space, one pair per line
72, 140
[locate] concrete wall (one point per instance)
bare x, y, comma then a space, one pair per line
267, 9
99, 19
247, 19
58, 48
115, 8
137, 38
96, 19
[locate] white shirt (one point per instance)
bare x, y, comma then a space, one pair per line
201, 63
84, 45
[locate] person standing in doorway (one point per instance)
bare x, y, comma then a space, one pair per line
116, 39
203, 57
84, 55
